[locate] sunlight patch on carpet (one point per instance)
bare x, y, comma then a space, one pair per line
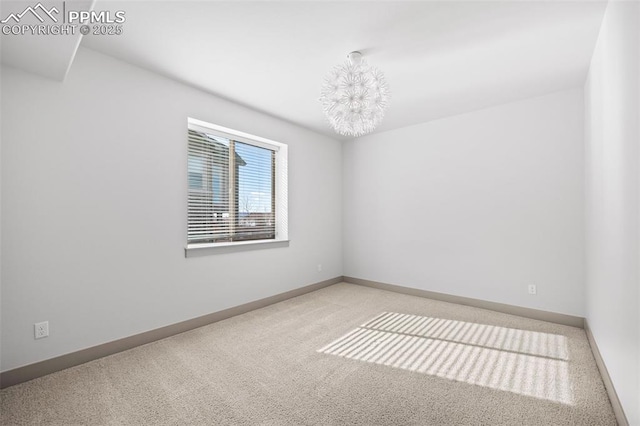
520, 361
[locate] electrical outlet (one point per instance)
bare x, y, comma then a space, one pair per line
319, 267
533, 289
41, 329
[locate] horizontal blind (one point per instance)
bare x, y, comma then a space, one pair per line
231, 190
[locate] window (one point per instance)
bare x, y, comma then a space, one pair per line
237, 187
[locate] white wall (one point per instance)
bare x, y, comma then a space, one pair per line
94, 209
478, 205
612, 136
1, 126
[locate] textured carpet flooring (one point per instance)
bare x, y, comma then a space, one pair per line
339, 356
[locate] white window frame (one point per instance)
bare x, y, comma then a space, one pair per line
281, 192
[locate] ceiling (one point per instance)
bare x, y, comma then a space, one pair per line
440, 58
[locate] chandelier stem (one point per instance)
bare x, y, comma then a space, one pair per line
355, 57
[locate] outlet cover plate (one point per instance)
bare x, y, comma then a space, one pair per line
41, 329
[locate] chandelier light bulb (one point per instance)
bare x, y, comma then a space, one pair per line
354, 96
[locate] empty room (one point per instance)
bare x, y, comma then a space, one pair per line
320, 212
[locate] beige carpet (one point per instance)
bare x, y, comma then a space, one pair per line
339, 356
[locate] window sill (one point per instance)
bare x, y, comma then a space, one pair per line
195, 250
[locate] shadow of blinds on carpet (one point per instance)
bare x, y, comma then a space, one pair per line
524, 362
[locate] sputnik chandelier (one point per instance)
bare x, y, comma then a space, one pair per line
354, 96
